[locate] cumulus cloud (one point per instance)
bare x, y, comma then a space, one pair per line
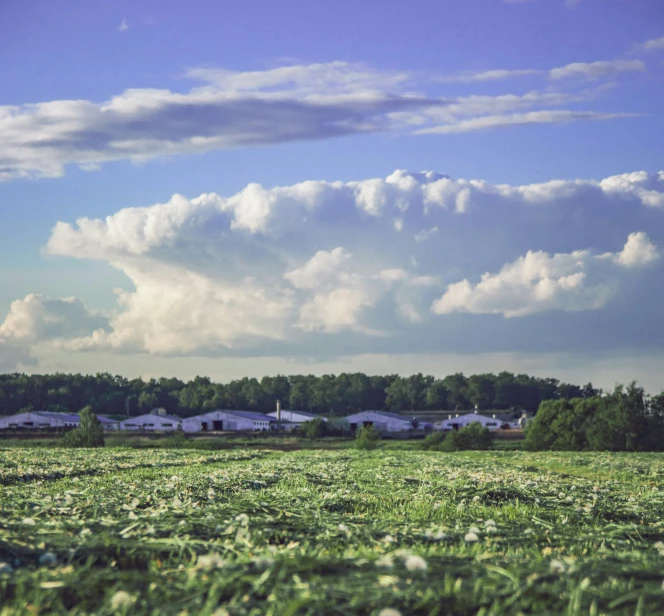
595, 70
230, 109
539, 282
319, 263
36, 319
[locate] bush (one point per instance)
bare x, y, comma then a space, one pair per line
473, 436
367, 437
314, 428
90, 432
433, 441
318, 428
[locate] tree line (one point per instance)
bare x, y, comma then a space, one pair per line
327, 394
626, 419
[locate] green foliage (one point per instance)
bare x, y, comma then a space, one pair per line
366, 437
328, 394
90, 432
624, 420
433, 441
314, 428
245, 532
473, 436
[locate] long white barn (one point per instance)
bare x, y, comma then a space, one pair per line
36, 420
151, 422
218, 421
456, 423
383, 421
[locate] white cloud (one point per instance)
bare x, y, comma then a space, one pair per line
520, 119
40, 318
653, 44
280, 266
124, 26
595, 70
540, 282
231, 109
492, 75
36, 319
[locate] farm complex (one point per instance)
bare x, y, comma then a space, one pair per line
246, 421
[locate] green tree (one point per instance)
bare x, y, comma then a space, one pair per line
90, 432
457, 386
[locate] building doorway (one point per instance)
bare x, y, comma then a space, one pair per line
218, 425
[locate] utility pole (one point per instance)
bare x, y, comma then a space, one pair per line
278, 415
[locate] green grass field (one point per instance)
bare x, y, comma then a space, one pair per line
241, 532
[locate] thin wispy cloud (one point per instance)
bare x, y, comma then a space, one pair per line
233, 109
123, 26
595, 70
521, 119
652, 44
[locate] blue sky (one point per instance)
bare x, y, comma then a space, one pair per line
305, 238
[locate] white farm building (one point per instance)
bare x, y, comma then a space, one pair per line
293, 420
152, 422
218, 421
381, 420
461, 421
41, 420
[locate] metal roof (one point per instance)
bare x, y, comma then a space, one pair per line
245, 414
384, 414
303, 413
153, 417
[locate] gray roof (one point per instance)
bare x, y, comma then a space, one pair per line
68, 417
303, 413
245, 414
388, 414
151, 416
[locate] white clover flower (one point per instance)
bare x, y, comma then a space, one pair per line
28, 522
385, 561
489, 523
242, 518
474, 529
557, 566
343, 528
177, 503
415, 563
211, 493
221, 611
121, 599
569, 499
561, 495
388, 611
471, 538
388, 539
210, 561
476, 499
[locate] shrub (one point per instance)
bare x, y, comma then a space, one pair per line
473, 436
367, 437
434, 440
318, 428
314, 428
90, 432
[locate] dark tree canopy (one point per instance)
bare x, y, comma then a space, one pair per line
327, 394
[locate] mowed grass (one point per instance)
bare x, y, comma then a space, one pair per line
330, 532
